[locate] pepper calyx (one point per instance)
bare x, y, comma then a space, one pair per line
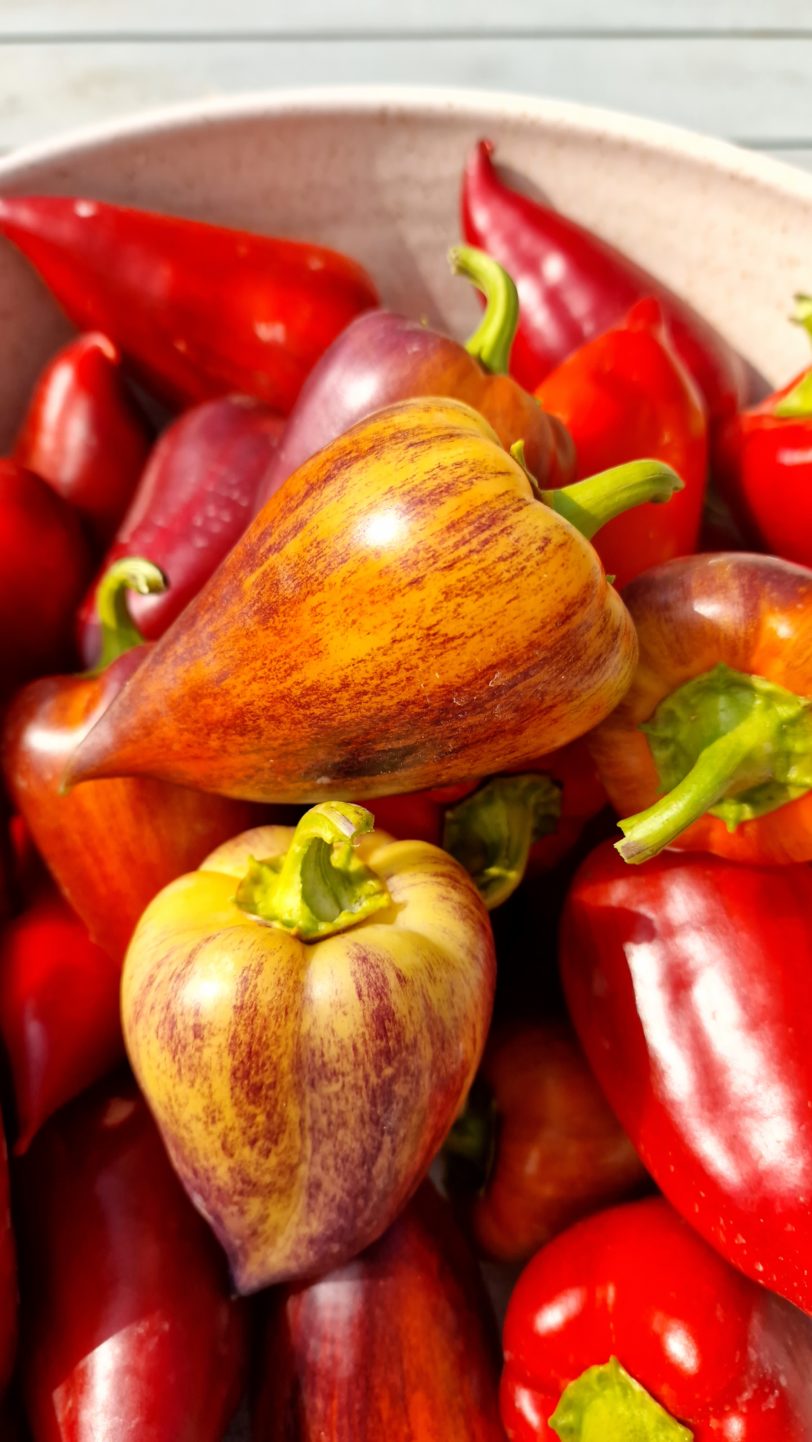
590, 504
321, 885
492, 341
119, 632
734, 745
491, 831
797, 403
606, 1404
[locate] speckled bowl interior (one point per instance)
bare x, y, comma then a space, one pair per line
376, 172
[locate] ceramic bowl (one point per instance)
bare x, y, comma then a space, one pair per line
376, 172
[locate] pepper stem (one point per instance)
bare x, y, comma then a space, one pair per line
119, 632
798, 401
605, 1404
802, 314
320, 885
591, 503
735, 745
492, 341
490, 832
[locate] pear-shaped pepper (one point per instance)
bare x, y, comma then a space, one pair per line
305, 1016
405, 612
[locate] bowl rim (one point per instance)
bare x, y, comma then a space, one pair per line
359, 100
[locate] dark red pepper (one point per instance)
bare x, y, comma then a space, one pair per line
83, 434
629, 1326
111, 846
128, 1328
764, 463
538, 1140
625, 395
44, 568
59, 1010
197, 310
8, 1275
195, 498
573, 285
398, 1344
382, 358
689, 984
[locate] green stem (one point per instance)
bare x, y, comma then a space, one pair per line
119, 632
605, 1404
320, 886
798, 401
493, 338
802, 314
591, 503
491, 832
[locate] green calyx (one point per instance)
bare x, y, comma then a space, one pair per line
492, 341
491, 832
119, 632
320, 886
733, 745
605, 1404
797, 403
591, 503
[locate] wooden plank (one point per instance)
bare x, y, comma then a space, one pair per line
744, 89
76, 18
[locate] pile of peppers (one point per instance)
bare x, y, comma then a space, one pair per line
405, 842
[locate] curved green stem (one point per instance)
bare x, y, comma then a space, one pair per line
605, 1404
493, 338
119, 632
798, 401
321, 885
491, 832
735, 745
589, 504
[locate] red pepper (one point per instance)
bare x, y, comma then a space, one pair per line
44, 568
8, 1275
83, 434
764, 463
111, 846
573, 285
718, 714
623, 396
629, 1326
195, 498
702, 1040
198, 310
59, 1010
398, 1344
128, 1328
538, 1141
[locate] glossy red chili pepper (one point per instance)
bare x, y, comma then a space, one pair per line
573, 285
623, 396
83, 433
764, 465
629, 1325
689, 986
128, 1328
382, 358
195, 498
398, 1344
59, 1010
111, 846
538, 1141
198, 310
711, 747
44, 568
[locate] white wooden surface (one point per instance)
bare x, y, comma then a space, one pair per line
737, 68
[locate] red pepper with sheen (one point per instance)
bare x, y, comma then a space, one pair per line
629, 1327
59, 1010
195, 498
573, 285
110, 846
764, 464
690, 987
84, 434
197, 310
625, 395
711, 747
128, 1328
